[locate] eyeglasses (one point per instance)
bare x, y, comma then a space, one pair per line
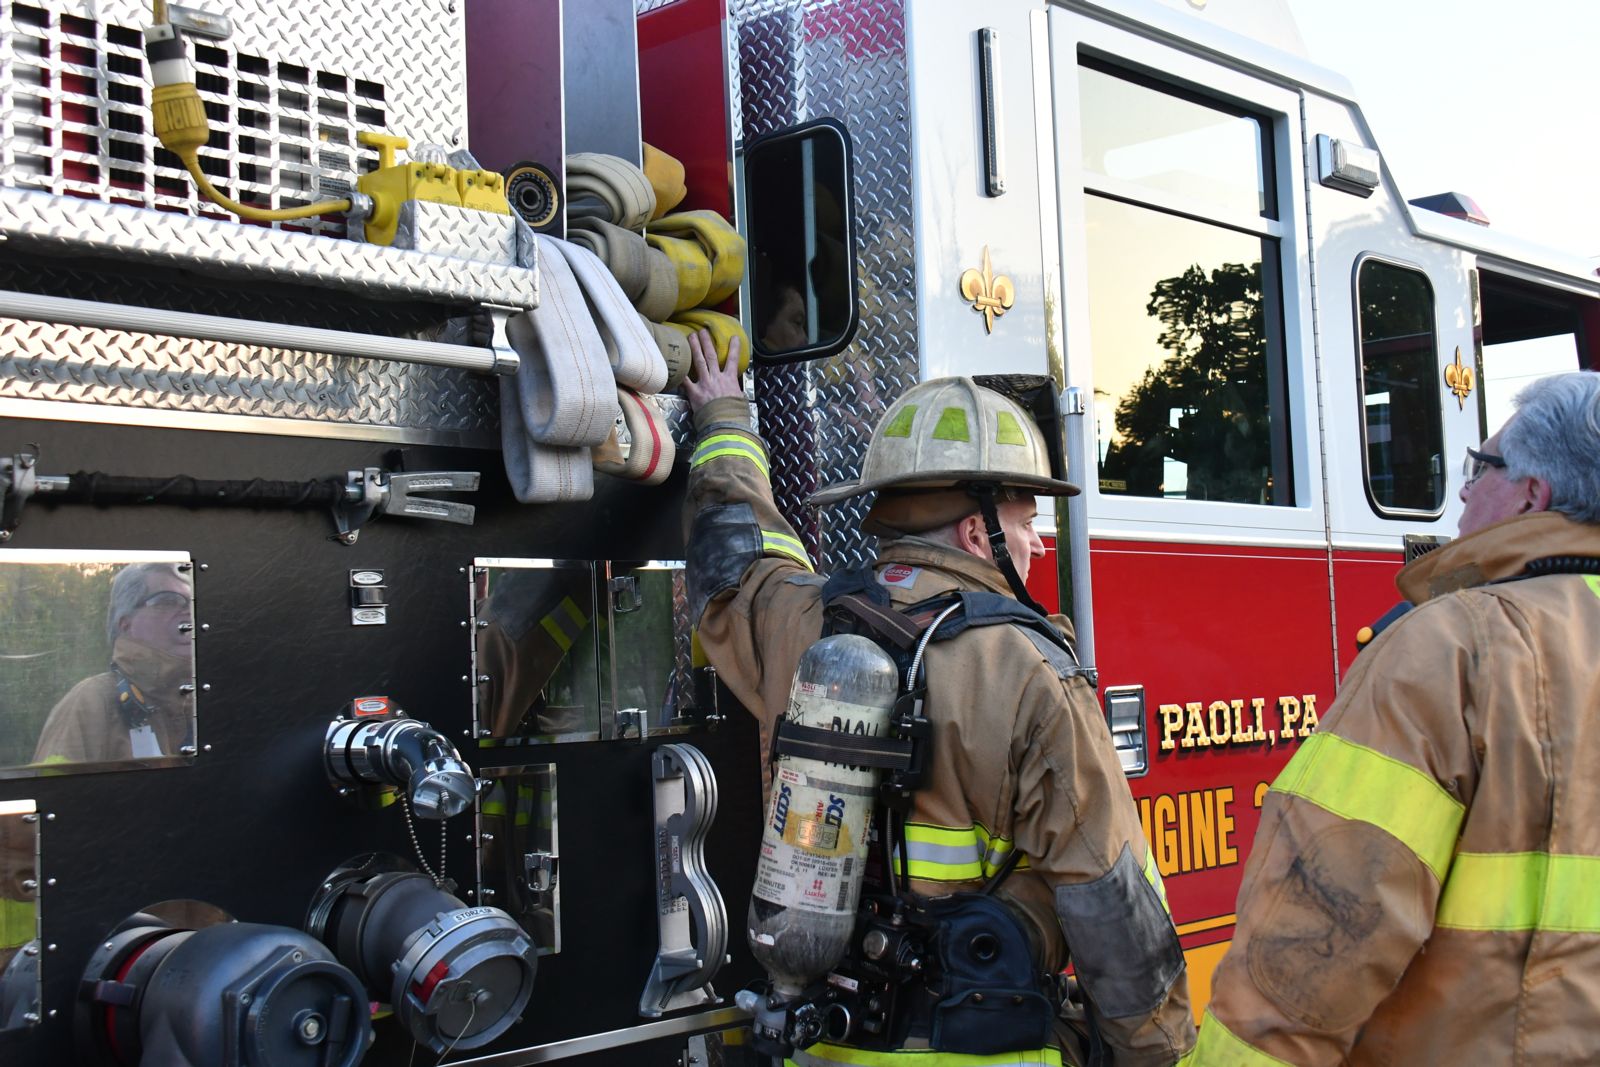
1477, 462
168, 600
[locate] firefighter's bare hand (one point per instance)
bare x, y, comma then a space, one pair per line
708, 379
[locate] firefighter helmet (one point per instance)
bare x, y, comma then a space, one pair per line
952, 432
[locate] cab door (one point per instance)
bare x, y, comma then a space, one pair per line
1200, 540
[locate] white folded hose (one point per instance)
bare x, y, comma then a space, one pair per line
635, 359
645, 450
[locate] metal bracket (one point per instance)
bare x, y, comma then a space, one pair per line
692, 918
542, 870
18, 482
373, 491
994, 146
198, 23
632, 723
506, 359
624, 594
705, 695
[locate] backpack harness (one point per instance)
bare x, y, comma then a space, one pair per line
957, 971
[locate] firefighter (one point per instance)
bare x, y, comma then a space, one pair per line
1020, 758
137, 709
1423, 886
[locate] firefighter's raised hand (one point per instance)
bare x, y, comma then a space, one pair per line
708, 380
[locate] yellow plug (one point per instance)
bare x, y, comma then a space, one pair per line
179, 117
483, 190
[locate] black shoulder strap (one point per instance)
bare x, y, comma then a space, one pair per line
854, 601
992, 609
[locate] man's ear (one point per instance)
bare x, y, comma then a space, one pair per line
972, 536
1536, 497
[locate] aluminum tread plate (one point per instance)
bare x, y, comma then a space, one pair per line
799, 62
45, 223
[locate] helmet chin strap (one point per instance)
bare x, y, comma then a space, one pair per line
984, 492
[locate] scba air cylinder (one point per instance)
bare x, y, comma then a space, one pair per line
814, 845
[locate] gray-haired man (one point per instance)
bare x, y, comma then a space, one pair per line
136, 709
1423, 884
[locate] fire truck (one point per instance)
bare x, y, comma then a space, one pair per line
429, 764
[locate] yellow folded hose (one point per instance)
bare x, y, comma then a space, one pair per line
722, 245
724, 328
691, 264
665, 175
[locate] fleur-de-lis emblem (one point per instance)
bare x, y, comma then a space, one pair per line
991, 294
1459, 378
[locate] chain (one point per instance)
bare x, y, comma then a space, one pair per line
416, 846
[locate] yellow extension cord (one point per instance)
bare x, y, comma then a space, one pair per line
179, 117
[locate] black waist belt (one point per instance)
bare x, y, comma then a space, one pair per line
836, 746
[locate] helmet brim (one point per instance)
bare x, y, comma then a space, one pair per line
943, 480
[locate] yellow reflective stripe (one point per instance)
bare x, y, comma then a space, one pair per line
1593, 581
557, 634
1153, 876
494, 807
823, 1054
785, 545
575, 613
942, 853
1218, 1047
995, 850
18, 923
954, 853
730, 444
1355, 782
1522, 891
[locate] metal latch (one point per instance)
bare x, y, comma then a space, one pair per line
541, 870
1125, 716
364, 494
625, 594
691, 915
632, 723
372, 492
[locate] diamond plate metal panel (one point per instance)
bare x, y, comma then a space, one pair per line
63, 226
78, 365
285, 97
455, 231
682, 644
845, 59
167, 378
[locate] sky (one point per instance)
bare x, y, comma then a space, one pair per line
1492, 99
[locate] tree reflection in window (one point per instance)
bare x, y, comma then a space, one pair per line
1403, 421
1204, 412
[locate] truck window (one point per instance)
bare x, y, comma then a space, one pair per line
1528, 332
802, 257
1191, 399
1402, 423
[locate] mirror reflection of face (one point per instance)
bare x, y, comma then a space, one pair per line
155, 622
787, 329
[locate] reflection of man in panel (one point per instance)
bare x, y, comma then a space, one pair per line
16, 912
135, 710
529, 626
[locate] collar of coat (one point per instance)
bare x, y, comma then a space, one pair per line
962, 569
1498, 551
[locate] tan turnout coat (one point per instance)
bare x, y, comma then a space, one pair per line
1020, 752
1425, 884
